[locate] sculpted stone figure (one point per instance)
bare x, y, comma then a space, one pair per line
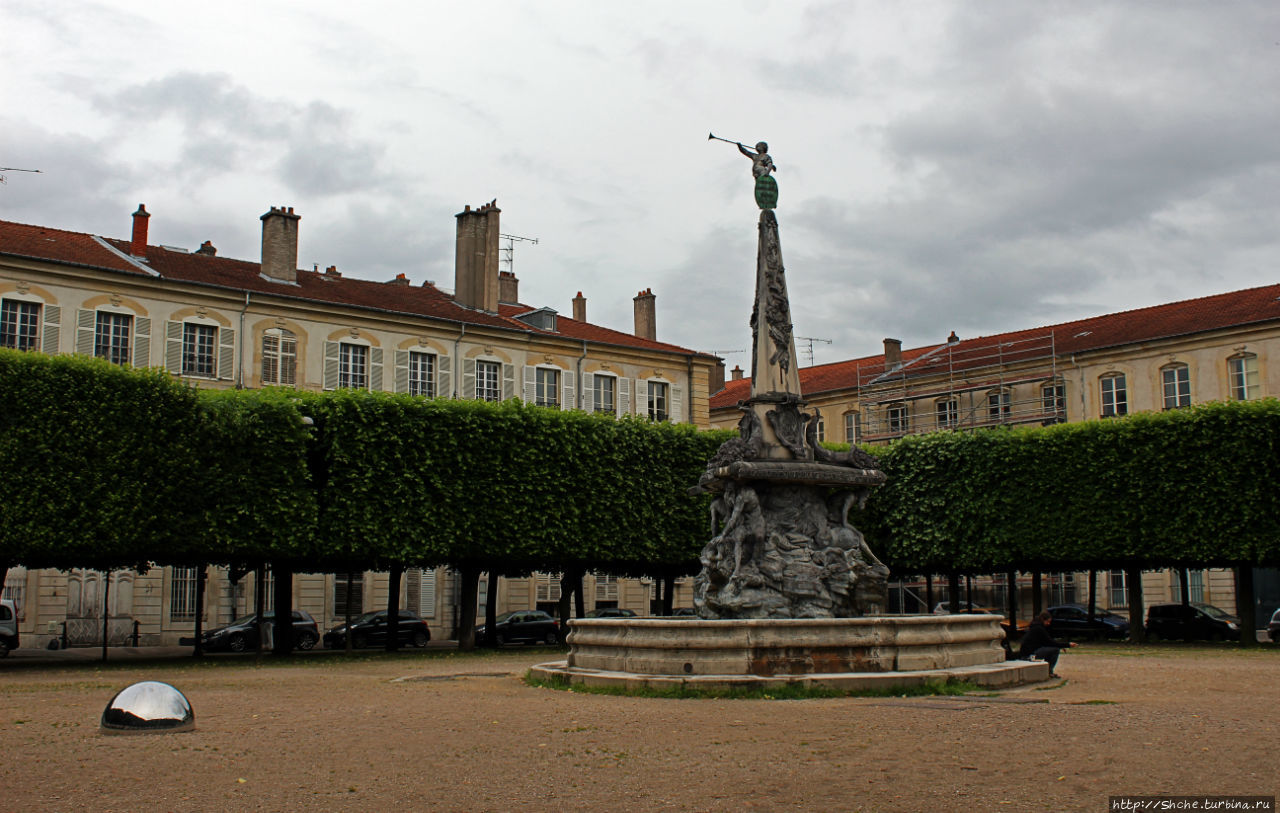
761, 163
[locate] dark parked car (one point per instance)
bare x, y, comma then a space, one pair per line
8, 627
1273, 629
684, 612
370, 629
611, 612
242, 634
1191, 622
1072, 621
523, 626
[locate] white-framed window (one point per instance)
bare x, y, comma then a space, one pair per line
1175, 380
183, 582
822, 430
353, 366
1118, 588
606, 588
998, 405
898, 417
852, 426
348, 593
1242, 371
19, 324
948, 413
604, 393
1053, 399
111, 336
488, 381
1115, 395
548, 586
198, 348
279, 358
658, 401
546, 382
422, 373
1195, 586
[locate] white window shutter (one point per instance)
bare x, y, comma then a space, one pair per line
375, 369
508, 381
49, 331
587, 390
444, 376
226, 352
566, 401
468, 379
427, 594
402, 371
624, 395
141, 341
173, 347
530, 384
676, 406
86, 325
330, 365
642, 397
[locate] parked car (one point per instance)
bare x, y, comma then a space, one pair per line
611, 612
944, 608
1191, 622
8, 627
1273, 629
684, 612
1072, 621
523, 626
242, 634
370, 629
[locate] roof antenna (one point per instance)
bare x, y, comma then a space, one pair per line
13, 169
808, 351
509, 250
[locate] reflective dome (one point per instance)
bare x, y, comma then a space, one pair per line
149, 706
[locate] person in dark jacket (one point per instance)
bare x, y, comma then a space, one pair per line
1038, 643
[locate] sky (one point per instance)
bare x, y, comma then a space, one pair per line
974, 167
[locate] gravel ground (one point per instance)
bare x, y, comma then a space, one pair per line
442, 731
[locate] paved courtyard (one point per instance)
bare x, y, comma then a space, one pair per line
441, 731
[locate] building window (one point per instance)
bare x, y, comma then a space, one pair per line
948, 412
1243, 372
1195, 586
353, 366
487, 381
998, 404
852, 426
1119, 591
822, 430
899, 420
422, 374
197, 349
111, 337
1053, 399
657, 401
1115, 397
606, 589
548, 587
348, 594
182, 593
279, 358
1176, 380
19, 324
602, 393
546, 387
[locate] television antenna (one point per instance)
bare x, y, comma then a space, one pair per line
808, 351
14, 169
509, 250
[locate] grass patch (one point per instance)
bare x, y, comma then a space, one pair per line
785, 691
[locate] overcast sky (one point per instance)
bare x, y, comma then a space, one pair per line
968, 166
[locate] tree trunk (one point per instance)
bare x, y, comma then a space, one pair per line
260, 602
1246, 602
282, 629
566, 595
1093, 594
1011, 578
579, 603
393, 607
491, 611
928, 592
346, 611
469, 578
1184, 586
202, 577
953, 592
106, 613
668, 594
1133, 581
1037, 594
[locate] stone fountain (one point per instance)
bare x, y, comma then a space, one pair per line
789, 591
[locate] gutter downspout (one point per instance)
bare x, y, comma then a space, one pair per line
1083, 404
457, 362
688, 388
240, 355
581, 359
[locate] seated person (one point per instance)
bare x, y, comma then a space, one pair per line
1038, 643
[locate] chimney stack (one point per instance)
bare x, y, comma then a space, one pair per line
475, 263
508, 288
892, 354
646, 315
580, 308
401, 279
207, 248
138, 245
280, 244
736, 372
717, 377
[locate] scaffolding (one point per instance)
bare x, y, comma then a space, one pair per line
963, 386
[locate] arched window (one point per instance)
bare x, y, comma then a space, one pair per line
1242, 373
1115, 395
1176, 382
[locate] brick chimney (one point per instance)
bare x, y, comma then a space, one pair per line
580, 307
280, 244
207, 248
717, 377
736, 372
401, 279
508, 288
475, 262
892, 354
138, 245
646, 314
